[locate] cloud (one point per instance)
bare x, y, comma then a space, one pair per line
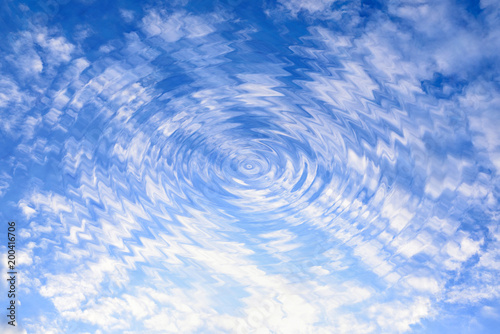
427, 284
173, 27
396, 317
8, 329
9, 93
58, 49
460, 250
482, 100
310, 6
33, 50
69, 290
484, 287
44, 202
5, 181
128, 15
279, 242
438, 36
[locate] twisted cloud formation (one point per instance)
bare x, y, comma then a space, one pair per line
274, 167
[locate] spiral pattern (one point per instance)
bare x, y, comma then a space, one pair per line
289, 167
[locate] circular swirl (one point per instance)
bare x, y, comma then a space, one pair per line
236, 164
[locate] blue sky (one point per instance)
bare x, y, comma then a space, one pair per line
251, 167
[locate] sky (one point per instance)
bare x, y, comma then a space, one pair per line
313, 166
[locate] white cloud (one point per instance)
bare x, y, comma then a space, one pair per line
58, 49
280, 241
396, 317
37, 49
5, 181
397, 208
8, 329
9, 93
133, 151
484, 288
460, 250
128, 15
410, 248
173, 27
27, 210
168, 321
462, 42
106, 313
68, 291
491, 258
311, 6
43, 325
319, 271
426, 284
30, 63
25, 258
483, 101
45, 202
